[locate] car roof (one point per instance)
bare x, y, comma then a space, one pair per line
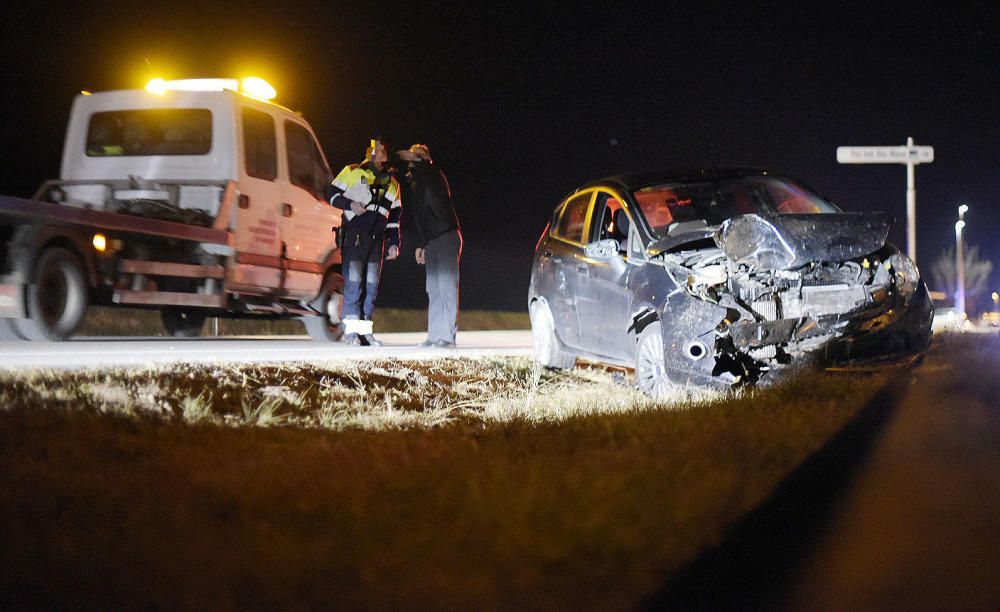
645, 179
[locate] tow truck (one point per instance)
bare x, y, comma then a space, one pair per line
198, 198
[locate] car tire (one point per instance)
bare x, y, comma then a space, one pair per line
56, 298
650, 364
327, 327
183, 322
548, 350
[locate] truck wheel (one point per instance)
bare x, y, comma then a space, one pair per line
183, 323
328, 326
650, 364
8, 331
548, 350
57, 297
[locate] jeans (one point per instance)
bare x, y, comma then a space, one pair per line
362, 256
442, 255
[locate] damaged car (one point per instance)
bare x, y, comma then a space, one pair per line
719, 277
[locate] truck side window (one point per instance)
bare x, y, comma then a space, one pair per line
259, 148
306, 168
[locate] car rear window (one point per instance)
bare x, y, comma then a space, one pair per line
154, 131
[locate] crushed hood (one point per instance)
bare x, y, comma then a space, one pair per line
786, 242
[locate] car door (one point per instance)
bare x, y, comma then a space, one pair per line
604, 299
308, 222
563, 251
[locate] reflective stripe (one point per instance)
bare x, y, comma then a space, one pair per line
358, 326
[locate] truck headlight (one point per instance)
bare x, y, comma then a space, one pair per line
906, 274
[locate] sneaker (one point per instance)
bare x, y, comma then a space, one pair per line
351, 340
369, 340
426, 344
444, 344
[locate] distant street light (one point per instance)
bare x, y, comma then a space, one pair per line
996, 300
960, 262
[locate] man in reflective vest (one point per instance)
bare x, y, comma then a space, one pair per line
369, 196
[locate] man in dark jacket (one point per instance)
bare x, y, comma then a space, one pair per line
439, 242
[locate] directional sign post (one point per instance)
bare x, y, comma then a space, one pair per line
909, 154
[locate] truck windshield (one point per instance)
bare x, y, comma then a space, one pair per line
155, 131
712, 202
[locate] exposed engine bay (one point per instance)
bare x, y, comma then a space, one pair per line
792, 286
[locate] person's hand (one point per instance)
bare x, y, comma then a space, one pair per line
419, 253
393, 252
357, 208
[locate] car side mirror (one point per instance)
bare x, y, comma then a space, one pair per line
602, 249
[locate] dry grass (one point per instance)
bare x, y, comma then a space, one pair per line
446, 484
103, 321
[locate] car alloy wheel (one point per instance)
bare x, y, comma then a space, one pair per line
650, 365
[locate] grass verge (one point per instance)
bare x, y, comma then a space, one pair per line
448, 484
106, 321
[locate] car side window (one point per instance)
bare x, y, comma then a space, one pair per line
259, 148
571, 221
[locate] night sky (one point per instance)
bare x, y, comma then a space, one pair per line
520, 105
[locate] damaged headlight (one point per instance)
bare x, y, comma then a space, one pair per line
905, 272
751, 240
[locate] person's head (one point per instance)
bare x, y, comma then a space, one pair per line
418, 153
375, 153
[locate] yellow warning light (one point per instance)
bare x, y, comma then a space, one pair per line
257, 87
100, 243
84, 92
157, 86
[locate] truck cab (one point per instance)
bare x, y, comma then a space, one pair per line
209, 198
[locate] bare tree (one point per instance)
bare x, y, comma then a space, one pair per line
977, 271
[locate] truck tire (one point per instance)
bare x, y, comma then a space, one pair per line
328, 326
548, 350
183, 323
8, 331
57, 297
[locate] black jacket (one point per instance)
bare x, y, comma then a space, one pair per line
428, 202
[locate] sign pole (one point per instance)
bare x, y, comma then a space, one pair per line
911, 207
910, 155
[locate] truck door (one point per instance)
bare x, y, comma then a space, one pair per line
257, 238
308, 221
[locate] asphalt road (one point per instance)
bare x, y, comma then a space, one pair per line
90, 352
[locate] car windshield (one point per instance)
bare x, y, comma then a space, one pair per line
712, 202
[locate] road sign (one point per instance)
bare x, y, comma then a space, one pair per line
885, 155
909, 154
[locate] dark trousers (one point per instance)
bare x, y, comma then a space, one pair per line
362, 255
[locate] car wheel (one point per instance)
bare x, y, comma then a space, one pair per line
650, 364
57, 297
183, 323
548, 350
328, 327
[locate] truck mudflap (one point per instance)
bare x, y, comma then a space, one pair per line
11, 300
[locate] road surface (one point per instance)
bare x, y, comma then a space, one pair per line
86, 353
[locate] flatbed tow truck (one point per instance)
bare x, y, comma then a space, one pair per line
196, 198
